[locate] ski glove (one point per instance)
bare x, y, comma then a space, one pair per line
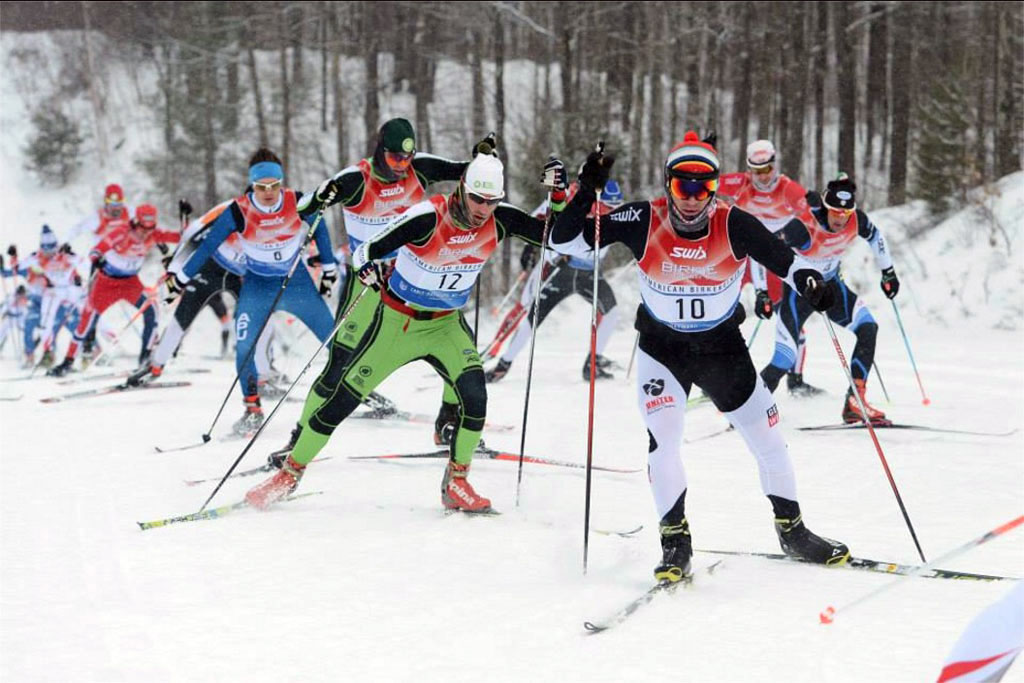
555, 177
813, 198
369, 275
528, 259
595, 170
12, 251
890, 283
763, 305
327, 280
174, 287
817, 291
489, 145
327, 191
184, 208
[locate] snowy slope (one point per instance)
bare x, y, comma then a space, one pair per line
370, 581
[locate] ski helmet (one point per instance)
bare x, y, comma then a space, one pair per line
611, 196
761, 158
691, 170
48, 241
145, 216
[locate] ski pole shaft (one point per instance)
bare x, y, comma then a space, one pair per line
827, 616
280, 292
632, 356
593, 373
513, 322
280, 402
533, 345
906, 342
753, 334
871, 431
515, 285
881, 383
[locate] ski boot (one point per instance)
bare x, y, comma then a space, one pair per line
268, 390
225, 337
800, 542
457, 493
851, 409
381, 406
247, 425
606, 363
277, 458
799, 388
444, 425
29, 362
62, 369
144, 375
676, 551
600, 373
498, 372
279, 486
47, 359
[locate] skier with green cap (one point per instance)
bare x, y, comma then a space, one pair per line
372, 193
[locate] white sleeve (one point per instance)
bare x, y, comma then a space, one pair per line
758, 275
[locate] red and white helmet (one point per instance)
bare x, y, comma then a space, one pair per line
145, 216
761, 157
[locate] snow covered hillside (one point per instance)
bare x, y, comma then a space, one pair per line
368, 580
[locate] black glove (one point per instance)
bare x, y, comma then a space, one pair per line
77, 279
314, 261
489, 145
97, 263
763, 305
66, 249
184, 208
810, 285
596, 168
890, 283
327, 280
12, 251
555, 177
711, 138
369, 275
813, 198
166, 261
528, 259
327, 191
175, 287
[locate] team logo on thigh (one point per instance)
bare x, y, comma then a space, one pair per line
365, 370
773, 415
654, 387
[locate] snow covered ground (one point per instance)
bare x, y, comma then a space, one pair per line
371, 581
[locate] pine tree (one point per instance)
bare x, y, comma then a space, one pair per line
53, 152
944, 170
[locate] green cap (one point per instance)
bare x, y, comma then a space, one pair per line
397, 135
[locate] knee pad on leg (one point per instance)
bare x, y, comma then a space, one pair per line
331, 376
472, 392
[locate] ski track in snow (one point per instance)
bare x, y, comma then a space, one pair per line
372, 581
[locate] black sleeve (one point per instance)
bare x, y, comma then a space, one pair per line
514, 222
749, 237
627, 225
865, 228
431, 169
415, 229
351, 186
795, 234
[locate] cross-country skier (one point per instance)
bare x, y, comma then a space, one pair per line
691, 251
562, 276
117, 260
443, 244
54, 293
777, 200
837, 222
372, 194
270, 227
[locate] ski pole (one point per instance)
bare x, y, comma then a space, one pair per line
827, 616
871, 431
494, 347
280, 402
533, 343
906, 342
593, 367
476, 312
632, 356
280, 292
753, 335
515, 286
881, 383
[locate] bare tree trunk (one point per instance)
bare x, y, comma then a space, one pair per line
796, 98
499, 113
876, 81
261, 122
208, 103
94, 96
1011, 109
231, 91
847, 87
339, 110
286, 105
568, 110
902, 74
323, 67
477, 67
741, 109
820, 73
371, 111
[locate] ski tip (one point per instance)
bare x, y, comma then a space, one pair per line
828, 616
926, 401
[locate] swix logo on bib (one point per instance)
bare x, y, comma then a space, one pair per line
126, 254
270, 241
689, 285
827, 248
381, 202
437, 276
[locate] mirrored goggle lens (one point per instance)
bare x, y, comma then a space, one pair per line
764, 169
839, 212
477, 199
267, 187
398, 159
687, 188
